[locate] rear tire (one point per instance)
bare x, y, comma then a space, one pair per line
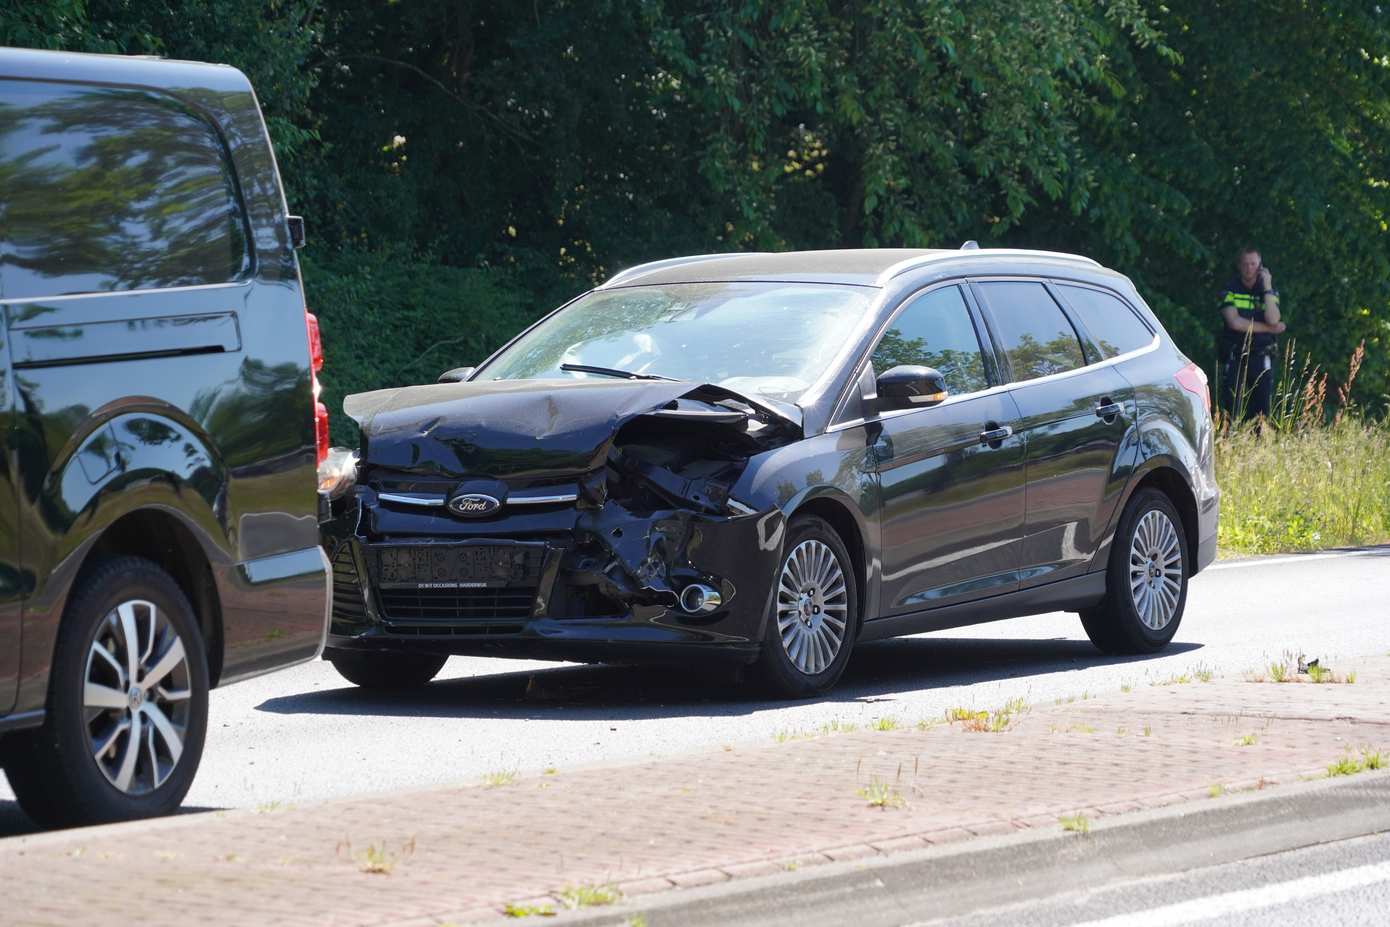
814, 614
127, 704
386, 671
1145, 582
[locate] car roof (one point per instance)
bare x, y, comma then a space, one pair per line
127, 70
872, 267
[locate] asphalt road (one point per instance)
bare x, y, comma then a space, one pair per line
305, 734
1345, 883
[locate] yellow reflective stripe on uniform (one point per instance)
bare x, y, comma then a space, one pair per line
1239, 300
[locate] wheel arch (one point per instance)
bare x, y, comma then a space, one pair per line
841, 517
162, 538
1167, 478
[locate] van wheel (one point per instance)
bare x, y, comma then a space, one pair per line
814, 615
127, 704
372, 670
1146, 581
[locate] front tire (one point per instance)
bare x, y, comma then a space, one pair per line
1146, 580
127, 705
814, 615
386, 671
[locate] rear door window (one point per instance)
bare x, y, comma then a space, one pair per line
1112, 324
1031, 328
935, 330
111, 189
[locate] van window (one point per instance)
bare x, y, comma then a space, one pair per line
1035, 334
1114, 326
109, 189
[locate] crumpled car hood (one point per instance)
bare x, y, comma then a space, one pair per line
506, 428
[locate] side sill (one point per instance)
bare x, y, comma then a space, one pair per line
1064, 595
22, 721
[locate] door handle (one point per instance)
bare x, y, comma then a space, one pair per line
1107, 409
995, 435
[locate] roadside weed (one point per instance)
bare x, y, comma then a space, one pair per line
1081, 729
1075, 823
549, 771
499, 778
1216, 791
1203, 672
1319, 673
1181, 679
527, 910
574, 897
838, 727
881, 795
377, 859
636, 920
1351, 678
1148, 730
1126, 687
1279, 670
884, 724
1248, 740
1372, 760
994, 722
1346, 766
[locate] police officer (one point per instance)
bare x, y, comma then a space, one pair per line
1250, 309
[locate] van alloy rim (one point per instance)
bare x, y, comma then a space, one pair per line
137, 697
812, 606
1155, 570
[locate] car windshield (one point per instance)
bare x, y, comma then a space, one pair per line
758, 339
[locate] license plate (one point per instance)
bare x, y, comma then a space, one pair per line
461, 566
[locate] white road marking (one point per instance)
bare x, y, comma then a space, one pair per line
1249, 899
1297, 558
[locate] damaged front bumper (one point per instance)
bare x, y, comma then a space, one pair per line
555, 582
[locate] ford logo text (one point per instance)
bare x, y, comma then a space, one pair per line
474, 504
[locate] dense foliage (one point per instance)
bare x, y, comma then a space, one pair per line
465, 165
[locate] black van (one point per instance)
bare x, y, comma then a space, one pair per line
158, 505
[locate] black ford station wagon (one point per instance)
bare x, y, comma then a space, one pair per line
158, 505
769, 457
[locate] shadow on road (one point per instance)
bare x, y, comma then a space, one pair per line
878, 670
15, 823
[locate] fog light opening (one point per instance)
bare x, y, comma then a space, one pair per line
699, 599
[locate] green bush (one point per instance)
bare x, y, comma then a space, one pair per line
391, 320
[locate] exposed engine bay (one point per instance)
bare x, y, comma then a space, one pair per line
499, 509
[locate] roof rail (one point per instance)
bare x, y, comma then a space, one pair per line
623, 276
903, 267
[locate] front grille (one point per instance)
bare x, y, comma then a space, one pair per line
452, 606
449, 630
347, 593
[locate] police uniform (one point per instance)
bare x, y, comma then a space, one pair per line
1247, 358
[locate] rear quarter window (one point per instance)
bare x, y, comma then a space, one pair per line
1111, 323
110, 189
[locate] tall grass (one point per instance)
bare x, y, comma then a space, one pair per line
1315, 474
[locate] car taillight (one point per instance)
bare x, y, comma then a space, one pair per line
315, 365
1193, 379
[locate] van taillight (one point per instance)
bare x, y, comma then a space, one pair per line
1194, 380
315, 365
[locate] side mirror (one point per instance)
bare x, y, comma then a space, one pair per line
457, 375
910, 387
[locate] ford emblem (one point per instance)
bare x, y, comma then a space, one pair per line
474, 504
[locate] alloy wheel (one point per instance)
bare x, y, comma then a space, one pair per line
812, 606
1155, 570
137, 697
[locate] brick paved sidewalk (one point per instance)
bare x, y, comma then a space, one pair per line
458, 855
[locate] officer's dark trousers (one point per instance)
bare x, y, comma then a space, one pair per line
1247, 383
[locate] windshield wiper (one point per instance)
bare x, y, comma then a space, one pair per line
614, 372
